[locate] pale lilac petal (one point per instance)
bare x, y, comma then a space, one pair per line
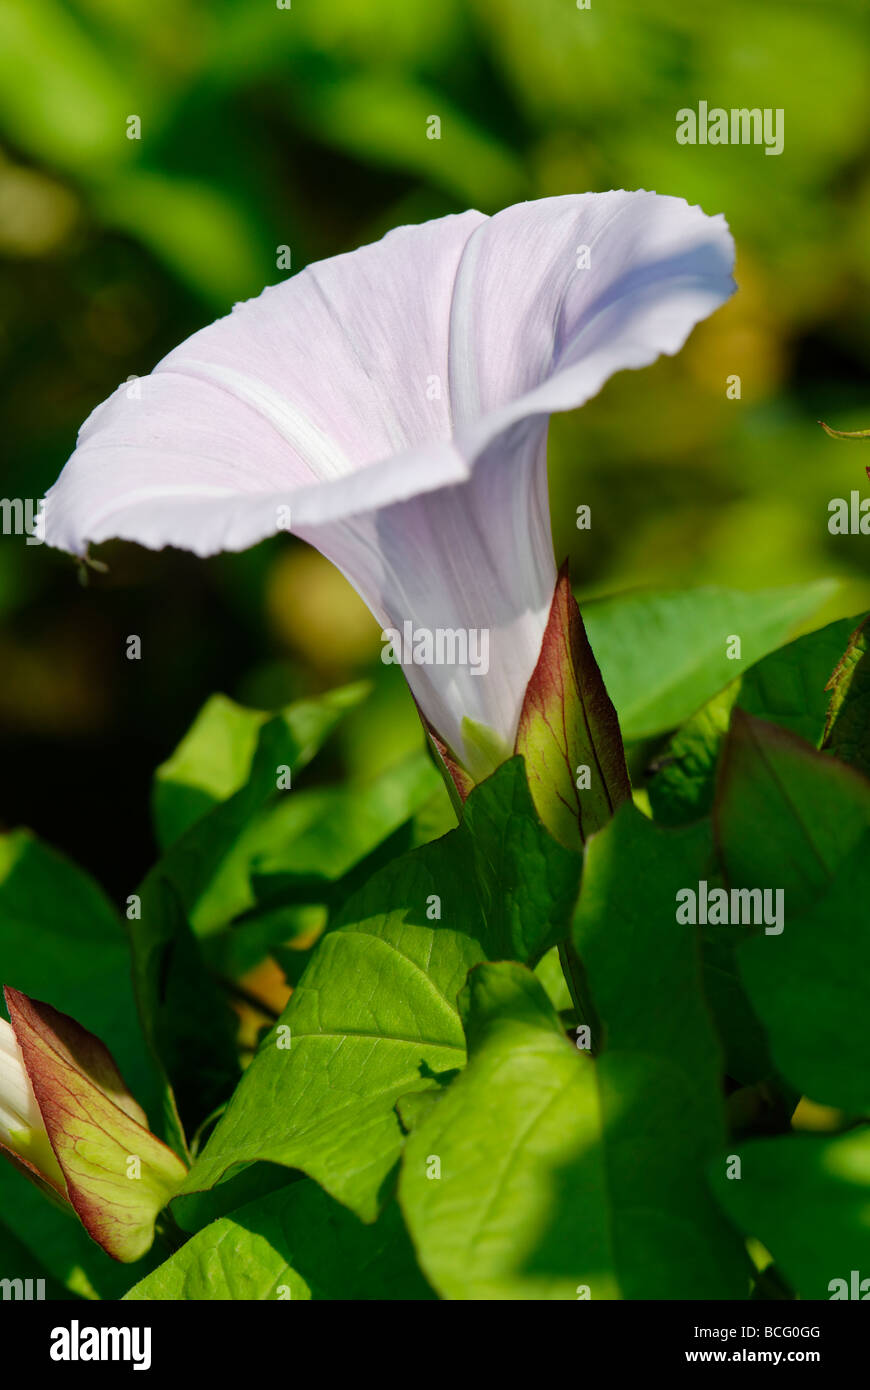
531, 331
286, 401
340, 366
18, 1107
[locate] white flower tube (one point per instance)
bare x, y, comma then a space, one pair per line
22, 1130
18, 1108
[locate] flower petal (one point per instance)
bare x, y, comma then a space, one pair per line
534, 329
340, 366
17, 1102
386, 373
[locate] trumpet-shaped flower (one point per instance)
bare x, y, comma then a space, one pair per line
390, 406
68, 1122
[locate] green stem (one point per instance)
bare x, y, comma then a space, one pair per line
578, 985
452, 790
168, 1232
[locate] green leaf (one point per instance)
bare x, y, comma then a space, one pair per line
568, 730
301, 858
212, 761
17, 1261
788, 687
814, 813
663, 655
847, 730
187, 1023
373, 1017
542, 1174
649, 939
811, 984
307, 850
644, 974
62, 1243
483, 749
741, 1032
292, 1244
216, 755
786, 816
413, 1108
81, 80
189, 1026
684, 779
806, 1199
193, 225
525, 882
504, 1185
193, 1210
375, 1014
551, 975
288, 740
61, 939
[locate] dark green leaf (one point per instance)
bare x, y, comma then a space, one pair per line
62, 941
292, 1244
373, 1018
806, 1199
811, 985
542, 1174
186, 1020
375, 1015
663, 655
786, 816
504, 1183
847, 730
17, 1262
212, 761
644, 973
788, 687
60, 1242
684, 774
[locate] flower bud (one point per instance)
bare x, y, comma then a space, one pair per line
68, 1122
22, 1133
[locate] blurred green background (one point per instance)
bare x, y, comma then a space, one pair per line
305, 127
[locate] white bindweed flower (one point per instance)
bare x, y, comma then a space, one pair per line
18, 1107
22, 1131
390, 406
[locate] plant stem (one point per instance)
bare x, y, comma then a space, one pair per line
169, 1232
575, 976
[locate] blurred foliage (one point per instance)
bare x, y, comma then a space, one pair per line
264, 127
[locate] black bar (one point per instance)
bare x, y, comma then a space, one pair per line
252, 1339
